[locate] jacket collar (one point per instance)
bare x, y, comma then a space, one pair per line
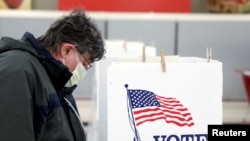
57, 71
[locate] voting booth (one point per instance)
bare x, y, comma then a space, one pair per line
162, 100
155, 98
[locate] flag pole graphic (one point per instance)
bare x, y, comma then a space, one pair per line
137, 137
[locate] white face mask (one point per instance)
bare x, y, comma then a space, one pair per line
78, 74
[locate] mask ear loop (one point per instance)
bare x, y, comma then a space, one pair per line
77, 57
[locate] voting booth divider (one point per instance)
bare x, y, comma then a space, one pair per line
155, 98
140, 101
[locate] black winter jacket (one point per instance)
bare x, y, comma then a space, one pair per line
34, 104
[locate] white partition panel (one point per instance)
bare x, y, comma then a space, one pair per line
145, 104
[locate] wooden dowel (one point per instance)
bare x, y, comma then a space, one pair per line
163, 63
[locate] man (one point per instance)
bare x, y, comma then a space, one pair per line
38, 76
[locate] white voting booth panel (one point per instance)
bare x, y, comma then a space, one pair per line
146, 104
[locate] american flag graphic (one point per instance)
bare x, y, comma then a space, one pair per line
148, 107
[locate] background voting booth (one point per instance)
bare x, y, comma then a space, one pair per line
124, 48
179, 98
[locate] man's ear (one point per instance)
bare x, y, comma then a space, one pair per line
66, 49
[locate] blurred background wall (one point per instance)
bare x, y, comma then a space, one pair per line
44, 4
196, 5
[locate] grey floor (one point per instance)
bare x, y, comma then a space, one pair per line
236, 112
